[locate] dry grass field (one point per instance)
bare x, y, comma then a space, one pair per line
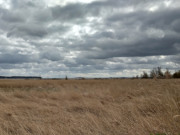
90, 107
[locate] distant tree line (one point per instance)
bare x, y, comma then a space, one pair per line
157, 73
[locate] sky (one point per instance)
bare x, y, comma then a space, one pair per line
93, 38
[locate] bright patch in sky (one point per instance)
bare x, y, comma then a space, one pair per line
167, 3
153, 8
5, 4
52, 3
162, 57
155, 33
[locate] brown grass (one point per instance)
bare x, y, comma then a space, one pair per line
89, 107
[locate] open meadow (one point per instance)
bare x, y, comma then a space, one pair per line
90, 107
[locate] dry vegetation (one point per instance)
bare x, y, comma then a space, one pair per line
89, 107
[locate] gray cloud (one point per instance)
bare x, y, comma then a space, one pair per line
100, 38
146, 47
69, 12
49, 53
27, 30
10, 58
12, 17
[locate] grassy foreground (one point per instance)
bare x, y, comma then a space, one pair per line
90, 107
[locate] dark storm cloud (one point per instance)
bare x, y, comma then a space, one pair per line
69, 12
79, 11
15, 58
146, 47
11, 17
21, 4
31, 30
16, 25
9, 58
158, 19
165, 20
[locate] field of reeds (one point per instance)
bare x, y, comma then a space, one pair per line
90, 107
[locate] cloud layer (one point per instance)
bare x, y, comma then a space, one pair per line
94, 39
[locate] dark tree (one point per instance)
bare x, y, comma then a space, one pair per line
144, 75
156, 73
176, 74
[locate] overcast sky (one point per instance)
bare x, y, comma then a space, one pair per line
105, 38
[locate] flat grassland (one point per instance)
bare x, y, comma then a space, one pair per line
90, 107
